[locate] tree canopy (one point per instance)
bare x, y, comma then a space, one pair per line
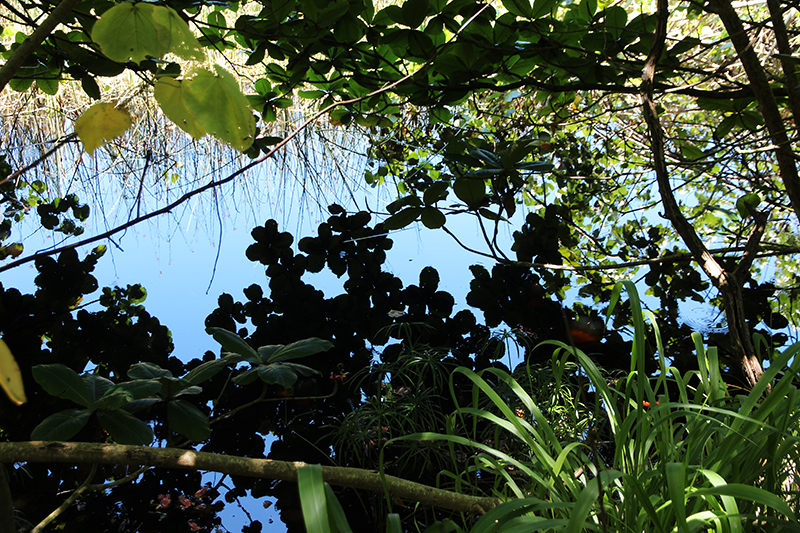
652, 142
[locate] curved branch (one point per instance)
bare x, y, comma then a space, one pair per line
117, 454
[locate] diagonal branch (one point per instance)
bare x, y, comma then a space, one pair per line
116, 454
24, 50
767, 103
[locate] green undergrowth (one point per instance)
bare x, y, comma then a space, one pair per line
640, 453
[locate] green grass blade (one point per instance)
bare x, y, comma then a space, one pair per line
312, 499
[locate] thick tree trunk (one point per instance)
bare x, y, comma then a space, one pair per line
738, 332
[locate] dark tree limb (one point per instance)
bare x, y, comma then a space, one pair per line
728, 282
116, 454
767, 103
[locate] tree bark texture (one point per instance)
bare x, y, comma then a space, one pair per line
116, 454
728, 282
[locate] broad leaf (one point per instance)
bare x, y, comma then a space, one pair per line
471, 191
169, 95
61, 426
174, 33
97, 386
63, 382
101, 124
277, 374
115, 400
172, 387
218, 105
137, 31
124, 428
233, 343
188, 420
147, 371
303, 370
247, 377
206, 371
295, 350
140, 388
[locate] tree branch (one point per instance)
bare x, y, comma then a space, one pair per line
24, 50
95, 453
727, 282
767, 103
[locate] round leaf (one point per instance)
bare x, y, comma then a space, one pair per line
218, 105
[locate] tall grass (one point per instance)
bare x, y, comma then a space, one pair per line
661, 453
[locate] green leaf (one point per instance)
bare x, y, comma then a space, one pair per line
218, 105
747, 203
247, 377
114, 400
471, 191
233, 343
432, 218
175, 35
137, 31
303, 370
147, 371
402, 218
336, 512
312, 499
277, 374
172, 387
97, 386
61, 381
205, 371
393, 524
125, 428
542, 8
188, 420
520, 8
435, 192
47, 86
295, 350
61, 426
169, 95
725, 127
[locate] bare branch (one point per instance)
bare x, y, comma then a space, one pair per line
96, 453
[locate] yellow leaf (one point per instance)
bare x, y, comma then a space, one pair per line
169, 95
10, 376
101, 124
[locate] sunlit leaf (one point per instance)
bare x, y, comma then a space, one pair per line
101, 124
169, 95
10, 376
133, 32
218, 105
175, 35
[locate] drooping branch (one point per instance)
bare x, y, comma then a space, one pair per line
728, 282
116, 454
